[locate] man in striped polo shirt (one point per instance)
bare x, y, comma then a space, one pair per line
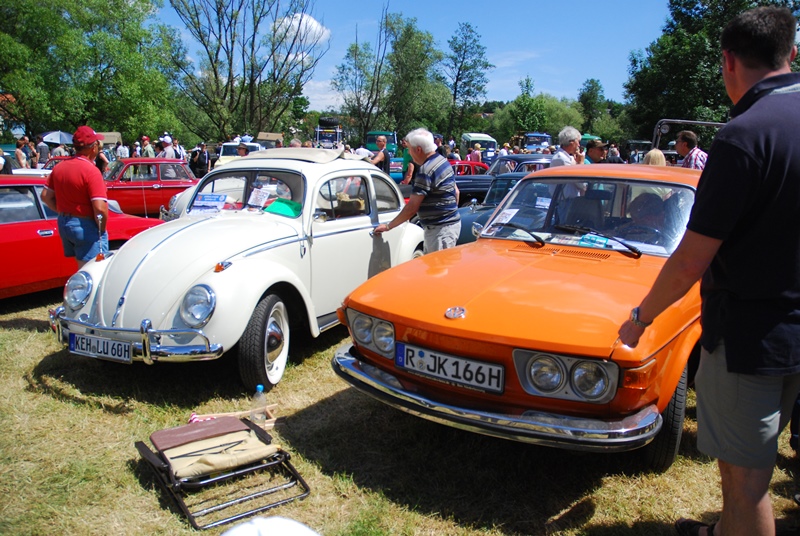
434, 195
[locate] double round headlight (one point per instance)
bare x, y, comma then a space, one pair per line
372, 332
197, 306
570, 378
77, 290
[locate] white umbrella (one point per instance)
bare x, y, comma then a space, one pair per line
57, 137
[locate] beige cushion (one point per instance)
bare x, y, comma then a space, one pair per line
218, 454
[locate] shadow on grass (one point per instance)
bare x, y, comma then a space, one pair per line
437, 470
31, 304
89, 381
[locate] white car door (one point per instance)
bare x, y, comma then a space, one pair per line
342, 243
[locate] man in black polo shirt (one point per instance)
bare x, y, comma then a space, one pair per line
744, 240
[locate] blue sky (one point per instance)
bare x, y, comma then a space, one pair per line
559, 46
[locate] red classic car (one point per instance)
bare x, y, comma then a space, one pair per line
30, 245
142, 185
468, 167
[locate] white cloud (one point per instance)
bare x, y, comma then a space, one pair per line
306, 26
320, 95
513, 59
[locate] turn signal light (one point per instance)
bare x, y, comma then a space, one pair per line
100, 257
639, 378
221, 266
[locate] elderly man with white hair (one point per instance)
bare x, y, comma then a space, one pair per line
434, 195
568, 153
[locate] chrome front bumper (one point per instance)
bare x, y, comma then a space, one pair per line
575, 433
147, 345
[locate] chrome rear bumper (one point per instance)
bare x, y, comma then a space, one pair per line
562, 431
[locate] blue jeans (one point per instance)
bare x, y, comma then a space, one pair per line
81, 238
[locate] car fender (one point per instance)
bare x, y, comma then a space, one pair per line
413, 238
240, 289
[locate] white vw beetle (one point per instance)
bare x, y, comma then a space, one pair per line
269, 244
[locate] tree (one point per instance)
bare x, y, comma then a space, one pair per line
465, 74
678, 75
256, 55
362, 81
528, 111
410, 74
85, 62
560, 113
593, 102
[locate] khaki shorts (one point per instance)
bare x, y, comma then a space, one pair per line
740, 416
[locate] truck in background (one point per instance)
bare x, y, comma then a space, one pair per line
391, 141
488, 145
328, 134
537, 140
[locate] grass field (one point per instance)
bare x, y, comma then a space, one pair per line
68, 464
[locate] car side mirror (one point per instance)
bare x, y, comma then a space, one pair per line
477, 229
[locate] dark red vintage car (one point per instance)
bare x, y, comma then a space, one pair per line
142, 185
30, 245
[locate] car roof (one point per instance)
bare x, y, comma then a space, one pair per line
145, 160
300, 158
526, 157
674, 174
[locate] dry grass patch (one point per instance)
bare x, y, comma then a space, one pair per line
68, 464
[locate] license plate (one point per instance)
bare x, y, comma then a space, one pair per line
458, 370
100, 348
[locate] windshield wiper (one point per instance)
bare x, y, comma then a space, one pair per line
588, 230
533, 235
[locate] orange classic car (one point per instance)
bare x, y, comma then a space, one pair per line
515, 335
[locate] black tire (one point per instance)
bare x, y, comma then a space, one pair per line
660, 453
264, 346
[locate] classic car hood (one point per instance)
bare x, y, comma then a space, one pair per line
156, 268
569, 299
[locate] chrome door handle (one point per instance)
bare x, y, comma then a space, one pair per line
45, 232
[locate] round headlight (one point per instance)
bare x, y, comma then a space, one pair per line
546, 373
198, 306
590, 379
362, 329
384, 337
77, 289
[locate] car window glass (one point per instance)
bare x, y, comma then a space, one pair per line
143, 172
343, 197
385, 195
271, 193
172, 172
18, 204
48, 212
221, 192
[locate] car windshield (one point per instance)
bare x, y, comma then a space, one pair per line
112, 170
605, 214
276, 192
498, 190
230, 150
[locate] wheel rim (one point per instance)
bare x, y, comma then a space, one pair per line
276, 343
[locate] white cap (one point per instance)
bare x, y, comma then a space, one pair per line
166, 139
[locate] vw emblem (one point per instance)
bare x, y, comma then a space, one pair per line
455, 312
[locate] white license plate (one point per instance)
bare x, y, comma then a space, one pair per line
100, 348
457, 370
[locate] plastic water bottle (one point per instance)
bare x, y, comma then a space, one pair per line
258, 412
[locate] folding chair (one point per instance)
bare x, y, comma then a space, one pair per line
213, 465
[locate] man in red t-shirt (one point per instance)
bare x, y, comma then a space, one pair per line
75, 189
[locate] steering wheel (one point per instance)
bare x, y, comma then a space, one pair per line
643, 233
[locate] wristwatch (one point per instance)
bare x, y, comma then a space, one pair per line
635, 319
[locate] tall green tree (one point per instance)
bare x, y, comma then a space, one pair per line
560, 113
254, 58
362, 81
593, 102
86, 62
410, 74
678, 74
528, 111
465, 68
